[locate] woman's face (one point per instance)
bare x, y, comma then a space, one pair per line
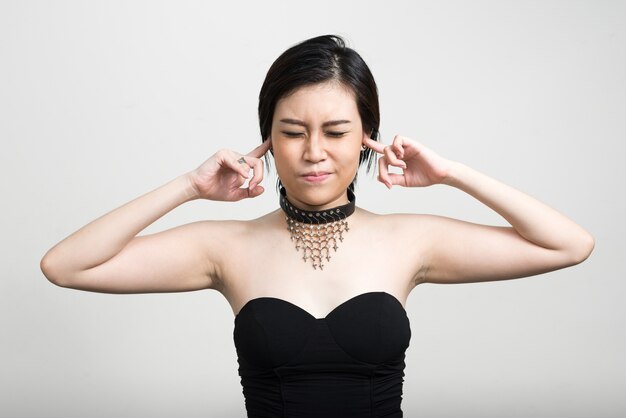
316, 139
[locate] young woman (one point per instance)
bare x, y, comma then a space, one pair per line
318, 286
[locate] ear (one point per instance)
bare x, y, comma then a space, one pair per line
365, 138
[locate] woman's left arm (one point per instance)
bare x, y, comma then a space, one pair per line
540, 238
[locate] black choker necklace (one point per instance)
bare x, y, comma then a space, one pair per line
317, 231
317, 216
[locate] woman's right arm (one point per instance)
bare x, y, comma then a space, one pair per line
106, 255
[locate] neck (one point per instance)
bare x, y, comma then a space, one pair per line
339, 201
318, 214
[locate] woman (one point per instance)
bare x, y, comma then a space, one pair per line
325, 337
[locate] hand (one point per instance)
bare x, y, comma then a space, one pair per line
421, 166
221, 176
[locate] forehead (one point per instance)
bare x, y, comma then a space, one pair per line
323, 100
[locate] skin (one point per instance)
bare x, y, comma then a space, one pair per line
300, 149
249, 259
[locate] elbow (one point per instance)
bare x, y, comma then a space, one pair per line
50, 272
583, 248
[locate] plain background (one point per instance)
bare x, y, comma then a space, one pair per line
104, 101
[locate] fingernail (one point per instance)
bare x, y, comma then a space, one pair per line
252, 186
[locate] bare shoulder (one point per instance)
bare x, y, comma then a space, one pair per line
228, 240
437, 247
397, 223
404, 239
415, 230
230, 228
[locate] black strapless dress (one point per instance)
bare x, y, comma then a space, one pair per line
348, 364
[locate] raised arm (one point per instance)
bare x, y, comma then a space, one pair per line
106, 255
540, 239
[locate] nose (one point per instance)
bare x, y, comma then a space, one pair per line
315, 150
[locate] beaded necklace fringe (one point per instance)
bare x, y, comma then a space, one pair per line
316, 232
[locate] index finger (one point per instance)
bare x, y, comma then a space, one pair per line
375, 145
259, 151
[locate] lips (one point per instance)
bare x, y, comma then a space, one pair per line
316, 176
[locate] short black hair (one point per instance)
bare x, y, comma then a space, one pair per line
317, 60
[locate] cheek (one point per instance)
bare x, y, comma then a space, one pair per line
352, 153
281, 155
282, 160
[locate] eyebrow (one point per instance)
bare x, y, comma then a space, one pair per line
325, 124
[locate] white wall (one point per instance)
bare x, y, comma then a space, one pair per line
103, 101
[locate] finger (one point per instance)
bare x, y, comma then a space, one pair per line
393, 158
244, 166
398, 146
259, 151
397, 179
239, 194
246, 193
375, 145
258, 189
257, 170
228, 159
383, 172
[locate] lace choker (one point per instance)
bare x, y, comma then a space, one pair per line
316, 232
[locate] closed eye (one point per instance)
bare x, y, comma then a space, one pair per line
292, 134
296, 134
